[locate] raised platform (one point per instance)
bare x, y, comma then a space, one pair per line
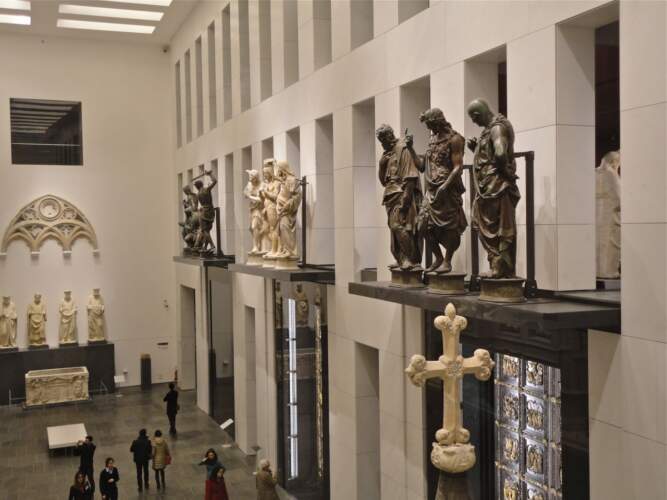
99, 359
316, 274
210, 261
65, 436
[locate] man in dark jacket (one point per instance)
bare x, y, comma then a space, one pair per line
142, 450
86, 450
172, 407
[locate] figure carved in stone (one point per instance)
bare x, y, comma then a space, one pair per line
190, 227
496, 191
204, 243
8, 318
535, 415
608, 216
534, 373
37, 322
287, 206
301, 305
441, 219
510, 490
95, 307
534, 459
269, 191
402, 197
511, 449
452, 451
258, 224
67, 327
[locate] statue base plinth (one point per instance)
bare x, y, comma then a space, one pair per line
502, 290
453, 487
446, 283
97, 342
289, 263
69, 344
34, 347
406, 279
268, 261
453, 458
9, 349
255, 259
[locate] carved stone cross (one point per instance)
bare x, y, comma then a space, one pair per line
451, 451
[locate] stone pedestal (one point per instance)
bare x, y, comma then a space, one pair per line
268, 261
36, 347
446, 283
255, 259
407, 279
68, 344
504, 290
58, 385
289, 263
9, 349
97, 342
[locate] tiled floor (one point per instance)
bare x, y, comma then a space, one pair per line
28, 472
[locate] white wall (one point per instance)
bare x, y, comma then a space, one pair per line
123, 187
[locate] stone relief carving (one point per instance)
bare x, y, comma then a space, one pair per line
511, 449
510, 490
57, 385
8, 318
534, 459
511, 406
49, 217
534, 373
511, 366
535, 415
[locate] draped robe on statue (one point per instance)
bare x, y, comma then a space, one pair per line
67, 328
608, 220
95, 318
287, 207
36, 324
8, 325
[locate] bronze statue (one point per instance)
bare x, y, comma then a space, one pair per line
204, 243
496, 192
402, 197
441, 218
190, 227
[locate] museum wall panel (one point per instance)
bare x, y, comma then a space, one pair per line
123, 188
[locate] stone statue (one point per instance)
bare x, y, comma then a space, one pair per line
496, 191
301, 305
257, 222
37, 322
67, 327
204, 243
96, 328
452, 451
269, 194
402, 197
287, 206
190, 227
608, 216
441, 218
8, 318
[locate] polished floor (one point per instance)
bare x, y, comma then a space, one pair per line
29, 472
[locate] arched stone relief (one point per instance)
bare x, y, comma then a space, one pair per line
49, 217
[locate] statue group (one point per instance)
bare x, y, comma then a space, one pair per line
199, 215
36, 321
274, 202
436, 215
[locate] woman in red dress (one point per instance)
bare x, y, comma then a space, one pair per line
215, 486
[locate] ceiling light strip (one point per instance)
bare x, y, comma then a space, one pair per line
157, 3
99, 26
15, 19
88, 10
15, 4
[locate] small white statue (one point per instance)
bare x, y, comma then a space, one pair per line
95, 308
37, 322
67, 327
7, 323
608, 216
268, 192
258, 225
287, 206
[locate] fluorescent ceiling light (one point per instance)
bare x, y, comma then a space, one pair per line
15, 4
14, 19
87, 10
158, 3
94, 25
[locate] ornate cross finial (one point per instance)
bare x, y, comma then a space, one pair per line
451, 451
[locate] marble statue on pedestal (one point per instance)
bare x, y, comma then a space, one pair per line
452, 451
95, 306
257, 223
402, 197
608, 216
37, 322
204, 243
287, 206
67, 327
8, 318
269, 190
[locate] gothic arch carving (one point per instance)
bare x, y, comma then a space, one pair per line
49, 217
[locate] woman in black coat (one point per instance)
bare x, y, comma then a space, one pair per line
109, 478
81, 489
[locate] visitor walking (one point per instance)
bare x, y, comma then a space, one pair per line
211, 462
81, 489
86, 451
266, 481
109, 478
141, 449
172, 407
161, 458
215, 486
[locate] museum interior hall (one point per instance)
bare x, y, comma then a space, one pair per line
333, 249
